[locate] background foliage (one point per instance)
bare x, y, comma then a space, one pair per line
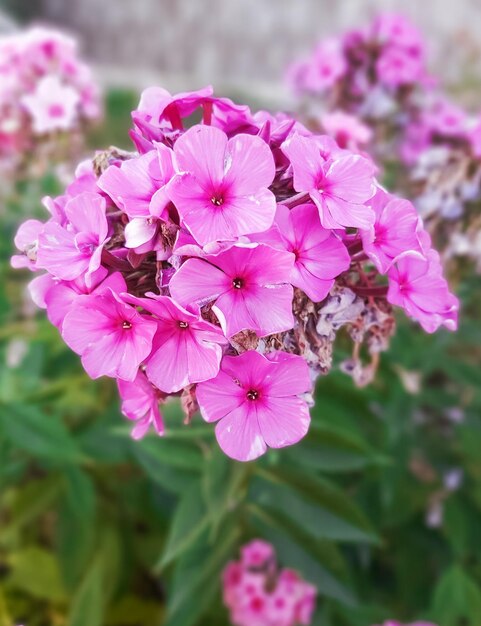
98, 530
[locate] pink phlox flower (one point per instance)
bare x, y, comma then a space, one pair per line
140, 402
258, 553
60, 296
257, 402
340, 187
26, 241
264, 596
186, 349
222, 190
160, 110
326, 67
320, 256
395, 30
111, 337
396, 67
67, 252
52, 106
248, 285
137, 186
395, 231
445, 118
417, 138
417, 285
158, 105
348, 131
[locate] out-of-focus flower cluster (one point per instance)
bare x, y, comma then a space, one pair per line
218, 263
370, 90
374, 74
45, 91
442, 161
258, 593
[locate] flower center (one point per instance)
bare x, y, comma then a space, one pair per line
183, 324
217, 200
237, 283
252, 394
126, 325
55, 110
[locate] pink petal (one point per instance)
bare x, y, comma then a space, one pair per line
86, 213
131, 185
180, 358
139, 231
239, 435
305, 159
59, 255
198, 282
352, 177
27, 234
39, 288
291, 376
201, 151
251, 164
337, 212
265, 310
59, 300
219, 396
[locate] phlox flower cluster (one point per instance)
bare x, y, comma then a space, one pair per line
370, 91
218, 262
45, 89
258, 593
374, 74
442, 160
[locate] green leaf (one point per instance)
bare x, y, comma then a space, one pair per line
153, 461
5, 618
27, 565
332, 449
29, 502
198, 577
457, 599
76, 525
88, 603
323, 509
178, 454
43, 436
188, 523
223, 483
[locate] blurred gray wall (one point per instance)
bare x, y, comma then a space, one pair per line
189, 43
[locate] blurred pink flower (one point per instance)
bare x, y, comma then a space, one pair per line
259, 594
52, 106
348, 130
397, 67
